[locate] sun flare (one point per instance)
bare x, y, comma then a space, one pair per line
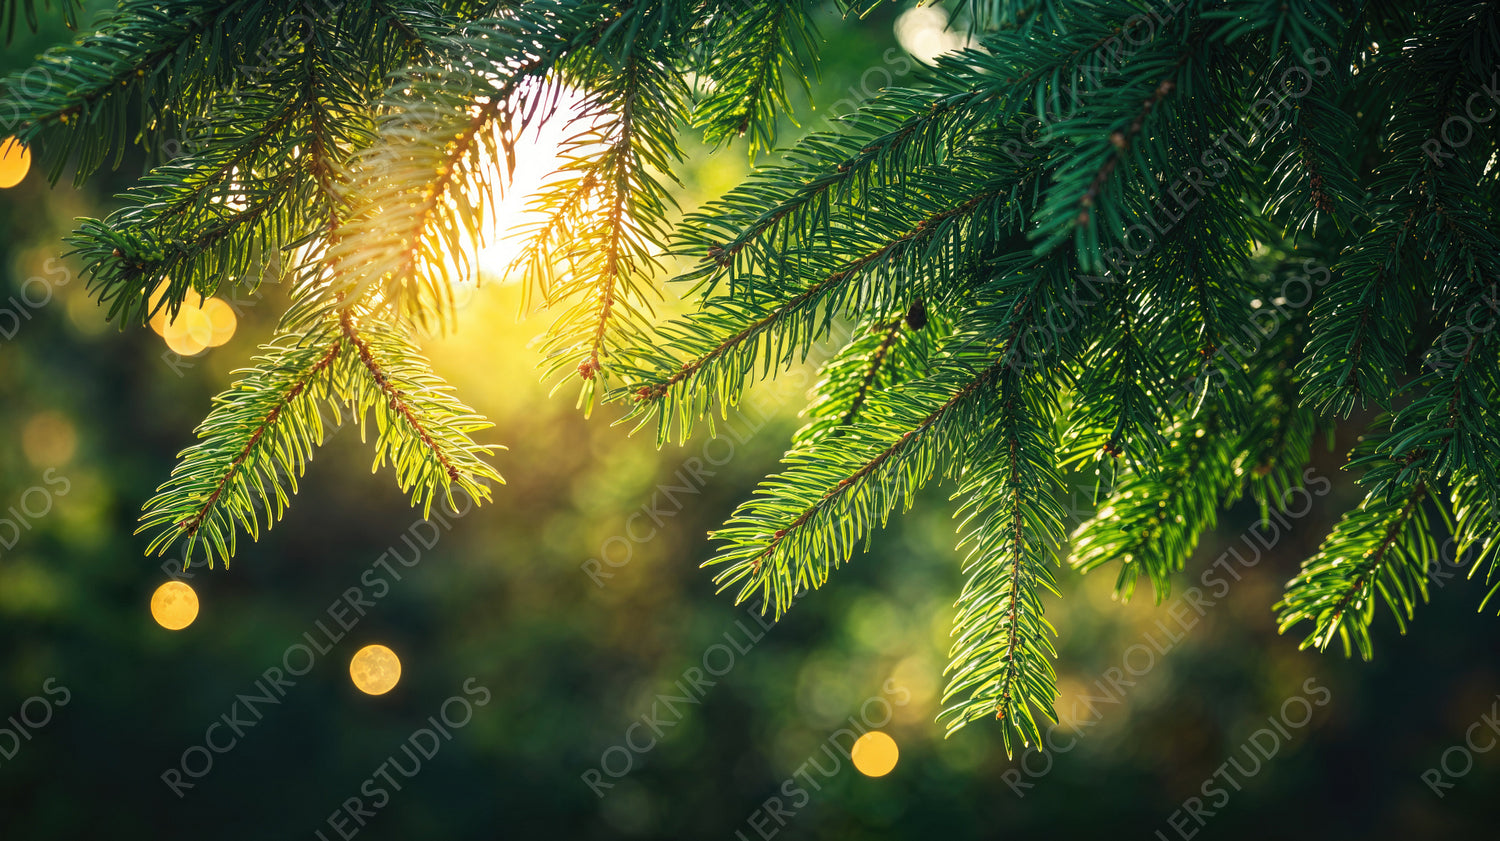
540, 152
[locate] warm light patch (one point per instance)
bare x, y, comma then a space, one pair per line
926, 33
201, 323
874, 754
15, 162
221, 321
189, 332
158, 321
174, 605
375, 670
539, 154
48, 439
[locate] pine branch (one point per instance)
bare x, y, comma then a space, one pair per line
208, 217
751, 227
1357, 342
1277, 442
872, 370
1109, 156
751, 45
1381, 551
77, 107
708, 357
422, 429
1313, 177
881, 356
603, 219
1121, 395
413, 195
1001, 659
1152, 521
252, 448
805, 521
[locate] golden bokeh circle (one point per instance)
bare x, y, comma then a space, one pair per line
174, 605
221, 321
197, 324
874, 754
15, 162
375, 670
158, 321
181, 340
201, 323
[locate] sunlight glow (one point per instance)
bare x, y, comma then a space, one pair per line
174, 605
375, 670
926, 33
539, 154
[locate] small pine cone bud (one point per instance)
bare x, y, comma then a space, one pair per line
916, 317
588, 368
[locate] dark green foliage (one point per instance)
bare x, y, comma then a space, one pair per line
1155, 247
755, 46
1152, 521
12, 10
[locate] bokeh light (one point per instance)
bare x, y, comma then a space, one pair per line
874, 754
48, 439
15, 162
188, 334
201, 323
158, 321
221, 321
375, 670
926, 33
174, 605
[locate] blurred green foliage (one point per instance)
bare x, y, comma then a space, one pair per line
516, 595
